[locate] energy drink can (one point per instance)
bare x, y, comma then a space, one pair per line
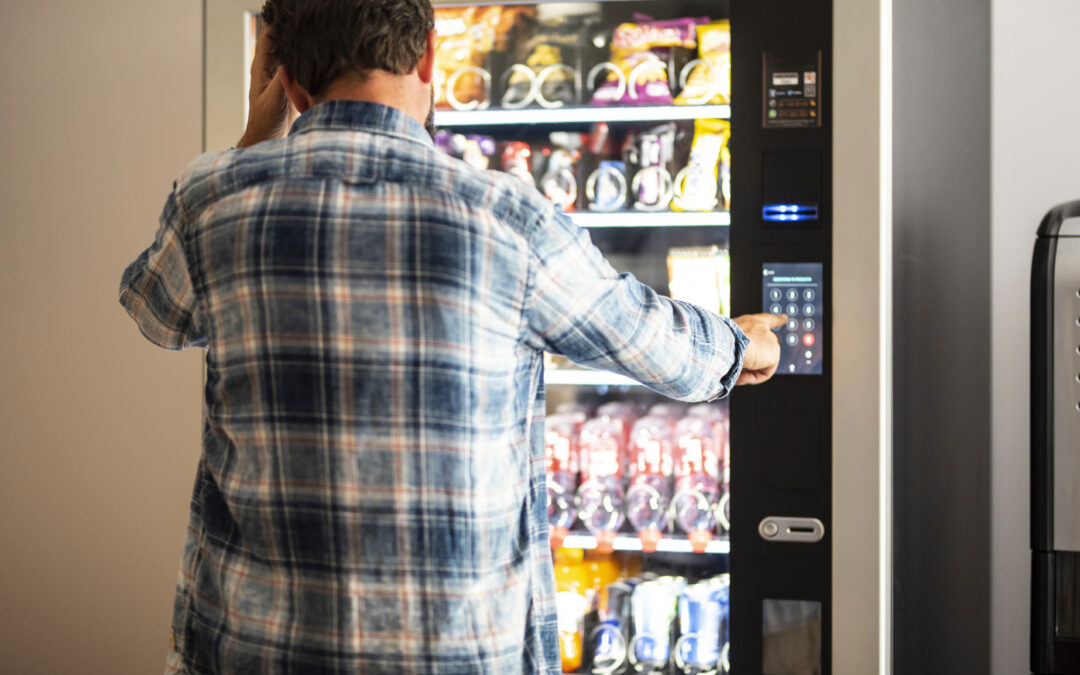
703, 618
653, 608
608, 639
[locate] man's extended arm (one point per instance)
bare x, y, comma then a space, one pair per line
585, 310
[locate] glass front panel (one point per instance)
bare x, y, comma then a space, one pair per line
791, 637
618, 112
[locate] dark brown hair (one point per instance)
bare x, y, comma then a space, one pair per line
321, 40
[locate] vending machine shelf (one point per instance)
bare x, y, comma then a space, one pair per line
665, 545
593, 219
579, 115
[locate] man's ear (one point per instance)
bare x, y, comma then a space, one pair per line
425, 70
296, 94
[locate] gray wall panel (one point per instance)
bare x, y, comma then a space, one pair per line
941, 211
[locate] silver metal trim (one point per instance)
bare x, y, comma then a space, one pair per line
1066, 365
791, 530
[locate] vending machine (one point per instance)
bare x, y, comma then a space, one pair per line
693, 140
1055, 444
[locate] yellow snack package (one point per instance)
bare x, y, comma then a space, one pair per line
707, 79
696, 185
701, 275
466, 35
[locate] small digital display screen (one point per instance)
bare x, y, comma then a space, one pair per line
795, 289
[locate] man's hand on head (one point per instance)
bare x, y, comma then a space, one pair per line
270, 114
763, 353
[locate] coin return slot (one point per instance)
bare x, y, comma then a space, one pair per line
798, 530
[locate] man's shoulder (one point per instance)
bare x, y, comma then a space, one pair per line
217, 175
509, 199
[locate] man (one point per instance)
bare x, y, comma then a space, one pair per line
371, 496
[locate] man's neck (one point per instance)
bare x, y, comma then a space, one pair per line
404, 92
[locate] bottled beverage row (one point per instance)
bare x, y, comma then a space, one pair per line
669, 166
658, 470
515, 57
639, 622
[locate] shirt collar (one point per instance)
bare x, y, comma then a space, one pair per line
348, 115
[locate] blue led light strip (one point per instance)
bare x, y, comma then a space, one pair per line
789, 212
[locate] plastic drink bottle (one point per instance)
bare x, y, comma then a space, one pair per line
624, 415
719, 417
600, 497
697, 489
650, 473
672, 412
571, 604
561, 456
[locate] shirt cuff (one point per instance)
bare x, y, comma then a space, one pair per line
740, 343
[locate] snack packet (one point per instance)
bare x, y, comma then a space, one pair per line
548, 65
701, 275
707, 79
472, 148
639, 55
466, 35
696, 185
648, 157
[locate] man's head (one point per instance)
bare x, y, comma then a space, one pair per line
320, 41
323, 43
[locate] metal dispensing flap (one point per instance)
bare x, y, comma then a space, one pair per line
1066, 374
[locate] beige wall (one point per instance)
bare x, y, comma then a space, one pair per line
101, 110
1036, 164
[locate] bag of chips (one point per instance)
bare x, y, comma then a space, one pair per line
640, 55
707, 79
696, 184
701, 275
649, 156
466, 35
547, 70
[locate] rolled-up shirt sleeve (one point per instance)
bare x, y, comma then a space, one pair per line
585, 310
157, 290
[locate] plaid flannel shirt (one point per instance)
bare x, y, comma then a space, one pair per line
371, 492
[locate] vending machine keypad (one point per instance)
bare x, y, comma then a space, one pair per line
795, 289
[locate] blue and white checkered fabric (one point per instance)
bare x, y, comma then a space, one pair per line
371, 494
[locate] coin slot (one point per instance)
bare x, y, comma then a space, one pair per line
810, 530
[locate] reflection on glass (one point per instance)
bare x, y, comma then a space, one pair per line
791, 637
1068, 596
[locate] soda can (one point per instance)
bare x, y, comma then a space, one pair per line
653, 608
608, 639
703, 620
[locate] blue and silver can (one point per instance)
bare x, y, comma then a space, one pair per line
653, 609
703, 621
